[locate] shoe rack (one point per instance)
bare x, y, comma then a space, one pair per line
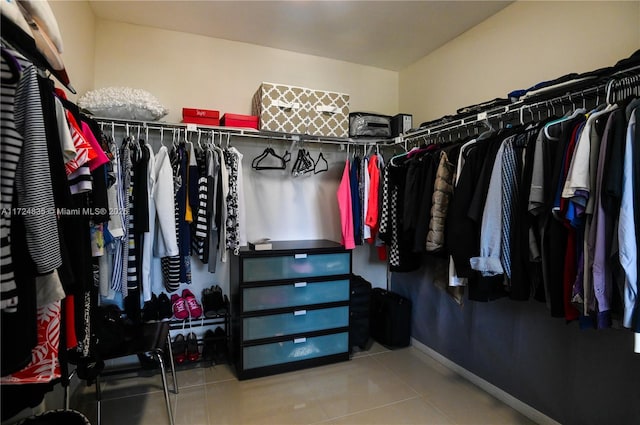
211, 338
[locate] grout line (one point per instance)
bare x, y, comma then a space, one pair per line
417, 396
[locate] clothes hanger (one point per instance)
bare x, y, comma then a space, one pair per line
300, 165
321, 164
280, 164
553, 123
161, 136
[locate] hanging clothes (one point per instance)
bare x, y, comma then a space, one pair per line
345, 205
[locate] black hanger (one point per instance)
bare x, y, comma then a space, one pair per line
304, 163
269, 153
320, 165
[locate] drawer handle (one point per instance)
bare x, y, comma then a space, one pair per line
300, 312
300, 284
300, 256
299, 340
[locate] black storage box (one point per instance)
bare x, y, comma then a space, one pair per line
400, 124
369, 125
360, 302
390, 318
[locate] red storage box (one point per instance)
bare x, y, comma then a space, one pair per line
200, 113
200, 116
201, 121
237, 120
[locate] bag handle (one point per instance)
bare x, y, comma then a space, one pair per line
286, 105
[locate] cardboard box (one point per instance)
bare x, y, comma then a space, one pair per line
281, 108
328, 114
238, 120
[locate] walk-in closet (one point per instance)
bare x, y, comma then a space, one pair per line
340, 212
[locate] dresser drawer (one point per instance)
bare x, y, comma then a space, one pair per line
295, 266
291, 351
297, 322
294, 294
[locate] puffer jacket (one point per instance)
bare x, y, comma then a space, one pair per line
443, 189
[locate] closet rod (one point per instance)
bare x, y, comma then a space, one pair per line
234, 131
623, 80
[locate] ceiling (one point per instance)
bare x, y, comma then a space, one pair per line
384, 34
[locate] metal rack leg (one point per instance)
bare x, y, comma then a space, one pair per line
158, 356
173, 366
98, 401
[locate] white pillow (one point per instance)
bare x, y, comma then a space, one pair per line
123, 102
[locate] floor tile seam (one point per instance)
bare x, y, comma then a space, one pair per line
380, 406
441, 411
103, 399
221, 381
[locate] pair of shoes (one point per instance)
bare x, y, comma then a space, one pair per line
185, 349
164, 307
192, 347
150, 311
157, 308
209, 346
215, 346
213, 302
185, 306
179, 348
221, 345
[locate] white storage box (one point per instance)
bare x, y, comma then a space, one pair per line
328, 114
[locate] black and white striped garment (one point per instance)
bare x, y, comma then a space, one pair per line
199, 238
80, 181
200, 220
132, 267
10, 148
125, 166
30, 173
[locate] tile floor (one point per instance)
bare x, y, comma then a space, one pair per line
377, 386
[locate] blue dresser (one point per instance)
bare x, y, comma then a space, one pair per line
289, 307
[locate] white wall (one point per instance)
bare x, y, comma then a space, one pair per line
186, 70
77, 25
523, 44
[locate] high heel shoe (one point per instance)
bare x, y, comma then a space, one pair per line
179, 348
192, 347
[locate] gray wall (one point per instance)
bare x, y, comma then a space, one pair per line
574, 376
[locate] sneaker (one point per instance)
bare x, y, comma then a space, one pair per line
164, 307
193, 306
150, 311
179, 307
